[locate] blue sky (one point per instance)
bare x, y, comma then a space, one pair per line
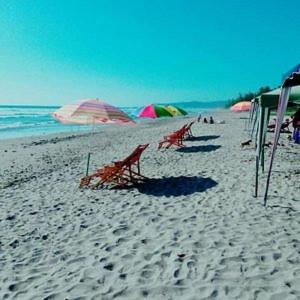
134, 52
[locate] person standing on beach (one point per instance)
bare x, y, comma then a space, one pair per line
199, 118
296, 119
296, 126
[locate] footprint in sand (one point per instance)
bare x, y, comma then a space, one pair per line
120, 230
109, 267
176, 273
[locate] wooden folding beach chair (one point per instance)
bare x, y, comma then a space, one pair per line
188, 131
175, 139
120, 173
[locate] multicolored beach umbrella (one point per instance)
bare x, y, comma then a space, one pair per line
175, 110
91, 111
241, 106
154, 111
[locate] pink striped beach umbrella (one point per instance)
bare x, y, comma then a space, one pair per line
241, 106
91, 111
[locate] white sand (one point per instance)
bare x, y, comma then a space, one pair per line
193, 232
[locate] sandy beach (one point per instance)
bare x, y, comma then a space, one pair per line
194, 231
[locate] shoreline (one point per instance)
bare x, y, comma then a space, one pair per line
71, 128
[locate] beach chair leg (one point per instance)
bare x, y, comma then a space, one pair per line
169, 145
85, 181
98, 184
159, 146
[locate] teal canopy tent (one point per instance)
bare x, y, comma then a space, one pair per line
291, 82
269, 101
261, 109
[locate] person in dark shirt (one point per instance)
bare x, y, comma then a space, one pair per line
211, 120
296, 126
296, 119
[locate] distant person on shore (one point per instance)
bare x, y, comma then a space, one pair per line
205, 120
211, 120
199, 118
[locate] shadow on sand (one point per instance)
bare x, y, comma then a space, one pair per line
175, 186
204, 138
194, 149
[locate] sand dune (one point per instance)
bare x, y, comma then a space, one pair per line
194, 231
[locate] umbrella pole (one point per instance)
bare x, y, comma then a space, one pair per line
88, 164
89, 153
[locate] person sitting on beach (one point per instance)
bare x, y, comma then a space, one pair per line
296, 124
205, 120
211, 120
272, 126
284, 126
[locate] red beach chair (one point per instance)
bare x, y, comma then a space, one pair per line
175, 138
188, 131
121, 173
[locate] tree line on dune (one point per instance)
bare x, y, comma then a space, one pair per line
248, 96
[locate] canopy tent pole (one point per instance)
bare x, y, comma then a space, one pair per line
283, 101
265, 126
258, 147
249, 121
254, 120
256, 127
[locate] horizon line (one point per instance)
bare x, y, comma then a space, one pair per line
60, 105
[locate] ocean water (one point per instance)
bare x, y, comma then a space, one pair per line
22, 121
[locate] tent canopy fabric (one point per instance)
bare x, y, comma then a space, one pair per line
271, 99
292, 78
